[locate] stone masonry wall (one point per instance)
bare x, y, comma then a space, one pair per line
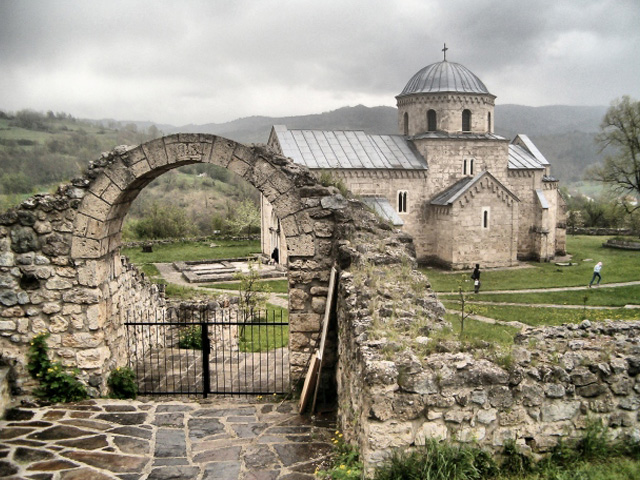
43, 289
402, 378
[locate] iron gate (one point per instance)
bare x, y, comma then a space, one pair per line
199, 351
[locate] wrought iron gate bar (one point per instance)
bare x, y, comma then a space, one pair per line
176, 351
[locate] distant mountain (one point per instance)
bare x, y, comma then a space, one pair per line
564, 134
256, 129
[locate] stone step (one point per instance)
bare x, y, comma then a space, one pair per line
5, 391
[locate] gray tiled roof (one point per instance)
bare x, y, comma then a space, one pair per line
348, 149
382, 206
519, 158
528, 145
451, 194
448, 196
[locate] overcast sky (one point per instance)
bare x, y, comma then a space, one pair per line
187, 61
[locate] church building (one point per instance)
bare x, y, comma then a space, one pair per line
465, 194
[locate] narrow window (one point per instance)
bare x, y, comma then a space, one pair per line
464, 167
406, 123
466, 120
485, 217
431, 120
402, 201
489, 122
471, 167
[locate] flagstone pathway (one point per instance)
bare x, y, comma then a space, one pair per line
104, 439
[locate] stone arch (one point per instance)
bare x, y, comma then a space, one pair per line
118, 178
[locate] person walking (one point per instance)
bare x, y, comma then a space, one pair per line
475, 276
596, 273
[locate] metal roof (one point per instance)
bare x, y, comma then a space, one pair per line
542, 199
348, 149
382, 206
448, 196
455, 191
519, 158
524, 141
444, 77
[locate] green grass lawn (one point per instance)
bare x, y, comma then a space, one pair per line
193, 251
619, 266
536, 316
601, 297
473, 329
263, 338
275, 286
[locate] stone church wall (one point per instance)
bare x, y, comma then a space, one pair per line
399, 383
446, 160
448, 108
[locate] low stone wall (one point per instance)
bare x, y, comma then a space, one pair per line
402, 378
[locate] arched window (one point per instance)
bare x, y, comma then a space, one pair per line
489, 122
471, 167
466, 120
464, 167
432, 121
485, 217
406, 123
402, 201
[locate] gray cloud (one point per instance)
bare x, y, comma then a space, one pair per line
212, 61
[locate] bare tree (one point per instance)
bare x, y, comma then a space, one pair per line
620, 134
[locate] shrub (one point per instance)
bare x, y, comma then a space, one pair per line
56, 384
191, 337
122, 383
438, 461
346, 464
515, 462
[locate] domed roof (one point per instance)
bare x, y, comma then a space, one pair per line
444, 77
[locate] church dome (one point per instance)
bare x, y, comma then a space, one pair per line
444, 77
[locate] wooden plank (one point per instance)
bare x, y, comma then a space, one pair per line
325, 328
309, 383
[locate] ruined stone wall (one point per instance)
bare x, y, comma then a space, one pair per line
400, 381
42, 288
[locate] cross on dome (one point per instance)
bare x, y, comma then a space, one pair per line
444, 50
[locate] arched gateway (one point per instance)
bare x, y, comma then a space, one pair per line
80, 289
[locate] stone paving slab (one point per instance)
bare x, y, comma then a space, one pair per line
227, 439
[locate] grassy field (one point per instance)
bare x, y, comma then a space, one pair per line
193, 251
601, 297
263, 338
618, 266
274, 286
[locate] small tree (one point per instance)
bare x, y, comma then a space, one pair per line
253, 293
245, 218
620, 131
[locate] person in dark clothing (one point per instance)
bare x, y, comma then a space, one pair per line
475, 276
275, 255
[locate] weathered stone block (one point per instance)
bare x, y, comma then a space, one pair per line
559, 411
92, 273
24, 239
297, 299
390, 434
58, 324
92, 357
431, 430
305, 322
